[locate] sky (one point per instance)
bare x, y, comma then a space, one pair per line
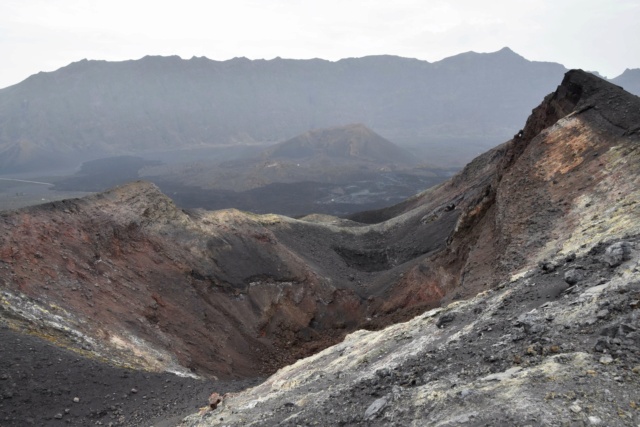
44, 35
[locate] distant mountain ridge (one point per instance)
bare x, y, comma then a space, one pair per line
629, 80
93, 109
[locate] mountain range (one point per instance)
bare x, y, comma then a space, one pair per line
93, 109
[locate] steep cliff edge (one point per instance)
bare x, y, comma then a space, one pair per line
568, 178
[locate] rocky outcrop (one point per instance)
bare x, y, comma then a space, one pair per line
547, 191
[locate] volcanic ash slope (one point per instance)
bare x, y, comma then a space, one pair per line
553, 337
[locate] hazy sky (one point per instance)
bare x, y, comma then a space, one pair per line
43, 35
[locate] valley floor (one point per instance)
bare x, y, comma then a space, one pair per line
16, 193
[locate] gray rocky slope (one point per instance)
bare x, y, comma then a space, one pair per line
558, 345
556, 340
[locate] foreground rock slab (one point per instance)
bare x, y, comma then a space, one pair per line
531, 352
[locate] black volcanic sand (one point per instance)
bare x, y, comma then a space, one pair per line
39, 381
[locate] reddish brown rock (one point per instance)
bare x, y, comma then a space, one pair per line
214, 400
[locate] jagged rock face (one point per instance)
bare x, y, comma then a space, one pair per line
570, 178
